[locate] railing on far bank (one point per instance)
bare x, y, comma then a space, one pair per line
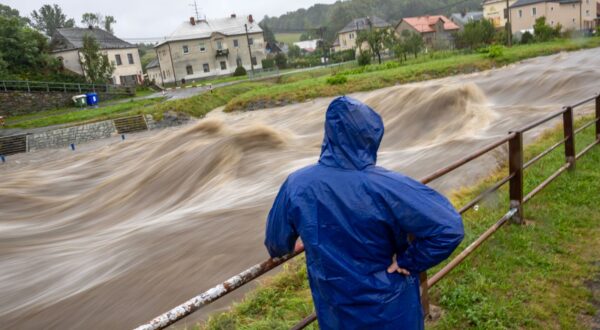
44, 86
516, 168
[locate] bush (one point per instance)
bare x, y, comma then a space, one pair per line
281, 60
239, 71
527, 38
495, 51
544, 32
343, 56
364, 58
337, 80
268, 63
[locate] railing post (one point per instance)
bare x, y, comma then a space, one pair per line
79, 85
598, 118
515, 167
28, 88
570, 137
424, 294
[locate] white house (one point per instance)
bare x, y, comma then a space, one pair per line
67, 44
211, 47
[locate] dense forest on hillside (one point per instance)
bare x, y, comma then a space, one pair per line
335, 16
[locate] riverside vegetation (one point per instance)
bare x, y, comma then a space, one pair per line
325, 82
530, 277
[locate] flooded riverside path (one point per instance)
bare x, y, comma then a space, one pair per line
108, 238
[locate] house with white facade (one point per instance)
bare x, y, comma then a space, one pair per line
67, 44
202, 48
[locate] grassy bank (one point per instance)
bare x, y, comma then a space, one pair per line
524, 277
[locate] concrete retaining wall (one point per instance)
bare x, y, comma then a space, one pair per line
63, 137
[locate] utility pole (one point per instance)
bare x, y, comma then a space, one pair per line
249, 49
508, 24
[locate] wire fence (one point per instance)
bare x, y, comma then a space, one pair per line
44, 86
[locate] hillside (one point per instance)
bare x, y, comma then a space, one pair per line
337, 15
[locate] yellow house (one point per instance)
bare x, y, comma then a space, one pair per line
572, 15
346, 38
495, 11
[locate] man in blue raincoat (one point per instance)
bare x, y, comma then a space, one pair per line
353, 218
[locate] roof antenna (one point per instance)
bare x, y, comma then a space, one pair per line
197, 10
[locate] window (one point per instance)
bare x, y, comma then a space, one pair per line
118, 59
587, 13
250, 41
238, 61
189, 69
236, 44
520, 13
186, 50
223, 65
202, 48
254, 60
206, 67
219, 44
130, 58
551, 8
533, 11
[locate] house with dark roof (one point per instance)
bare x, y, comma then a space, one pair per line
67, 43
573, 15
153, 72
437, 31
461, 19
346, 37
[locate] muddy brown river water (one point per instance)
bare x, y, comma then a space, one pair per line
112, 235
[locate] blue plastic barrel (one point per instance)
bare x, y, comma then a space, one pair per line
91, 98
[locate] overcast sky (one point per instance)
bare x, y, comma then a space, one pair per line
158, 18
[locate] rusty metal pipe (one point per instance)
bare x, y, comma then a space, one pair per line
466, 252
485, 194
305, 322
546, 182
547, 151
542, 121
580, 129
215, 293
584, 101
467, 159
588, 148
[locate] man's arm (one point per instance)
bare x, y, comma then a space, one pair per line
281, 236
429, 216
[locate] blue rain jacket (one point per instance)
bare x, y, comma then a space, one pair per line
353, 217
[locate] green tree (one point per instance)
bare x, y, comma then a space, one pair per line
91, 19
543, 31
294, 51
397, 46
375, 39
413, 42
22, 48
109, 21
267, 32
476, 34
96, 66
7, 11
49, 18
281, 61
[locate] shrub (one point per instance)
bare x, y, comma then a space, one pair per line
527, 38
364, 58
268, 63
337, 80
495, 51
544, 32
239, 71
281, 60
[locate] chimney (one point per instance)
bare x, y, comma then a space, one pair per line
192, 21
250, 19
233, 15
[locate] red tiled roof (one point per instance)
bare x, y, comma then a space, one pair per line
424, 24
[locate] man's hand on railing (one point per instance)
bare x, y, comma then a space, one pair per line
299, 246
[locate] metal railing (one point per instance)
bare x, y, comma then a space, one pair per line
44, 86
516, 167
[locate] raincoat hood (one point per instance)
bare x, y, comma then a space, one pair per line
353, 133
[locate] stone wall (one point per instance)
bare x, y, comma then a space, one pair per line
170, 119
63, 137
13, 103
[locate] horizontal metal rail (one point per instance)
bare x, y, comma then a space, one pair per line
580, 129
472, 247
586, 149
484, 194
546, 182
542, 121
547, 151
590, 99
467, 159
305, 322
215, 293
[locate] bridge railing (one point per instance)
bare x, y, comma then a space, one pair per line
514, 213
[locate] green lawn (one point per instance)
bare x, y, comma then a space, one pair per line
75, 115
524, 277
288, 38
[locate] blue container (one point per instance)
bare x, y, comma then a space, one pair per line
91, 98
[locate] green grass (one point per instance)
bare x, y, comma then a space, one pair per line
524, 277
75, 115
288, 38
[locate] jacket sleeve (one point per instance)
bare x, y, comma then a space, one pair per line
429, 216
281, 236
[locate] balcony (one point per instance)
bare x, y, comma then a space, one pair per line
222, 52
